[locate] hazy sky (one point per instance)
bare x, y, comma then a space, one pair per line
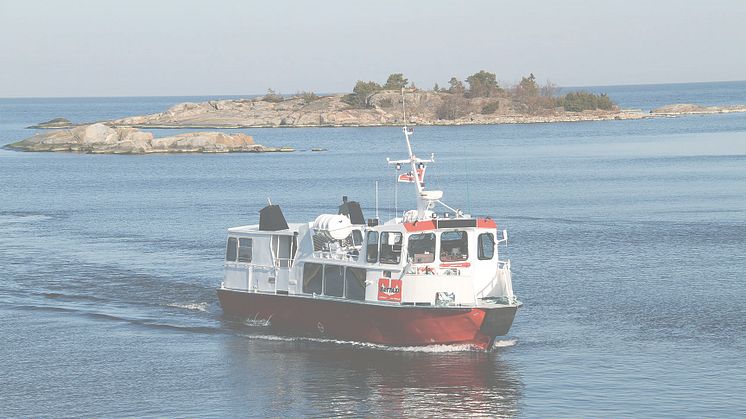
217, 47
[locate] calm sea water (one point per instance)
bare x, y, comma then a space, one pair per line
627, 240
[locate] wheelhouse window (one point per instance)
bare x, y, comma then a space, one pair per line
355, 284
486, 246
334, 280
454, 246
232, 250
312, 278
391, 247
244, 250
357, 237
422, 248
372, 247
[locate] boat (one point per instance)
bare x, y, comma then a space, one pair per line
421, 278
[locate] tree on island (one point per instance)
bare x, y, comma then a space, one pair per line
581, 101
396, 81
482, 84
456, 86
452, 107
525, 97
528, 86
272, 96
361, 94
549, 89
308, 97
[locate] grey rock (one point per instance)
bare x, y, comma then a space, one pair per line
102, 139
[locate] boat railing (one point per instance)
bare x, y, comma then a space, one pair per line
346, 256
284, 262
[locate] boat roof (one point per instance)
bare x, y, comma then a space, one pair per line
254, 229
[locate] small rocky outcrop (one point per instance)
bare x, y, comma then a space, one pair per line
53, 124
691, 109
100, 138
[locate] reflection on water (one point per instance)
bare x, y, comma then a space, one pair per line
333, 379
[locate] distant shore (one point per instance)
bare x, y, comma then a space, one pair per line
385, 110
123, 136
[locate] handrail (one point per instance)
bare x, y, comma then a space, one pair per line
289, 262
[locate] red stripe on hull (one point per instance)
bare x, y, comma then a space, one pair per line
382, 324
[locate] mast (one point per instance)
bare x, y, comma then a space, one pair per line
425, 199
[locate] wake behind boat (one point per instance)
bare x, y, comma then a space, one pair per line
420, 279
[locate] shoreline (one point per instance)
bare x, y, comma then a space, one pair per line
125, 136
668, 111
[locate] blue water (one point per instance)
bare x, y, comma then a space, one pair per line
627, 242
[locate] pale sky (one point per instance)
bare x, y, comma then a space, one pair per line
220, 47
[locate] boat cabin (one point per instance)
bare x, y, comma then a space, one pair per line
439, 261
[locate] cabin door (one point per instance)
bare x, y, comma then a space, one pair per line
283, 251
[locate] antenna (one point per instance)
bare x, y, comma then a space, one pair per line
416, 174
403, 110
377, 200
396, 194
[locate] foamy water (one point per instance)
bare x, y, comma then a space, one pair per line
386, 348
203, 307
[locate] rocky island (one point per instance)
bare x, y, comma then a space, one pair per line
332, 111
479, 101
102, 139
371, 104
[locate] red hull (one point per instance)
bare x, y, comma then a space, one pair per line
376, 323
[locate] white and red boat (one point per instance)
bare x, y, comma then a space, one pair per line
419, 279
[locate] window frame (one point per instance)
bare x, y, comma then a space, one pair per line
239, 257
480, 248
368, 258
327, 268
308, 280
410, 248
464, 240
348, 278
393, 252
229, 247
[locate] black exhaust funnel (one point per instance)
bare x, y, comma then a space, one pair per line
271, 219
352, 210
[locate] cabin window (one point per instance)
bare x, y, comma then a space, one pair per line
372, 247
422, 248
355, 283
486, 246
334, 280
453, 246
357, 237
391, 247
244, 250
232, 249
312, 278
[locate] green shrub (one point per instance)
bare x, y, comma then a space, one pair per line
361, 93
581, 101
272, 96
482, 84
490, 108
309, 97
396, 81
453, 107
